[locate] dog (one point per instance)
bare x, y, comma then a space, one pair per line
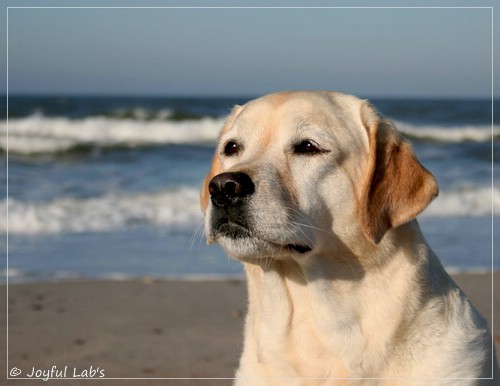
317, 195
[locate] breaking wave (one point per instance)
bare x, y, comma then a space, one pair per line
38, 134
457, 134
471, 201
178, 209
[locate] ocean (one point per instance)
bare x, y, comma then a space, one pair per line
108, 187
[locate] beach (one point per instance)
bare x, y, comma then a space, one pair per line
147, 328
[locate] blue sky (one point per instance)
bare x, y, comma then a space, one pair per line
368, 52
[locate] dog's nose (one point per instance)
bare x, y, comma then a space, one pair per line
229, 188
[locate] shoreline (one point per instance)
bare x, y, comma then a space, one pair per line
17, 280
149, 328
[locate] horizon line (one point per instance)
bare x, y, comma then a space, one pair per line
242, 95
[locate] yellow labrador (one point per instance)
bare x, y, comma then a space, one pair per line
317, 195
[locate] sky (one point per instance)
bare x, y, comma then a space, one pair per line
383, 52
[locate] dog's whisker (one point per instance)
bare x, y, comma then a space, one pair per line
292, 221
197, 235
307, 237
299, 227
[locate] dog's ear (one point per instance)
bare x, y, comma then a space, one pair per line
396, 186
216, 164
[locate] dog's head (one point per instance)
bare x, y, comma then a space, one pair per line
299, 172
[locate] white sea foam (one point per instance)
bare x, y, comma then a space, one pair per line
480, 133
470, 201
39, 134
178, 209
11, 273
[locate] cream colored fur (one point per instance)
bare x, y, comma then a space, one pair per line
370, 303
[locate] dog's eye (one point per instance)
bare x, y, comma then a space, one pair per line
306, 147
231, 148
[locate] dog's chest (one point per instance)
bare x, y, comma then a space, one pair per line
286, 328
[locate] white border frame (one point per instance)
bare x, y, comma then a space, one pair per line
263, 7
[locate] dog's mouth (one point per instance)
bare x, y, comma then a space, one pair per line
238, 232
299, 248
233, 230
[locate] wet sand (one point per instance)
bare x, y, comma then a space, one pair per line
146, 328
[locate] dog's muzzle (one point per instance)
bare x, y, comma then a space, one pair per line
229, 194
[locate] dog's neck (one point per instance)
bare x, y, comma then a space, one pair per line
293, 299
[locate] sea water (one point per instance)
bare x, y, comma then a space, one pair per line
108, 187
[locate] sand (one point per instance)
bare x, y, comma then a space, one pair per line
146, 328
